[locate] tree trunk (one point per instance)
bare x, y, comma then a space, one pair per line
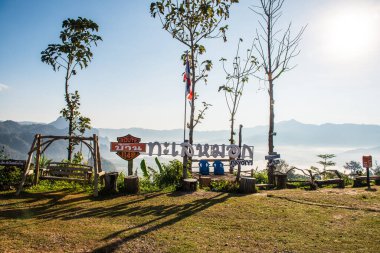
191, 127
271, 129
232, 141
131, 184
71, 144
70, 147
247, 185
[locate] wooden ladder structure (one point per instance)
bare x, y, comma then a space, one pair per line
41, 143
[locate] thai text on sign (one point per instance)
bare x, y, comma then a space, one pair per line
367, 161
127, 147
199, 150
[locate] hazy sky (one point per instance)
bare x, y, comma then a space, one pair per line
135, 78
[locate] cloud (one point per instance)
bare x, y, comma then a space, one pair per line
3, 87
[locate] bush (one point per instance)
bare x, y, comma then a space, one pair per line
224, 186
168, 176
261, 177
10, 175
171, 175
52, 185
347, 180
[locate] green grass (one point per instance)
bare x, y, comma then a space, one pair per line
271, 221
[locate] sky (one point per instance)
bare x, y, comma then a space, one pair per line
135, 77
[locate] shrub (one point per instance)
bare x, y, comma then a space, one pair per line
171, 175
168, 176
10, 175
261, 177
347, 180
52, 185
224, 186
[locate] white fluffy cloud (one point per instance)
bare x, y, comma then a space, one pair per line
3, 87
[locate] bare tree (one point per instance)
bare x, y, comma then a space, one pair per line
192, 22
276, 49
235, 81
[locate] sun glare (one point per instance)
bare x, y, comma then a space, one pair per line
352, 32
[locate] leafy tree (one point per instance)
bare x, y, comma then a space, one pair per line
326, 160
354, 167
3, 154
376, 169
235, 81
77, 38
191, 22
275, 49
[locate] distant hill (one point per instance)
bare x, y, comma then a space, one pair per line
59, 123
17, 139
297, 142
289, 132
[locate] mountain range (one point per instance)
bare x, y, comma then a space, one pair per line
297, 142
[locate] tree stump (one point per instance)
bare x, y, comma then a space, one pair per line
341, 184
111, 182
190, 184
131, 184
357, 183
247, 185
281, 180
204, 181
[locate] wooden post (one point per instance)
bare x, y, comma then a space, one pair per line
131, 184
130, 167
239, 165
280, 180
368, 181
38, 154
99, 158
184, 170
190, 184
185, 161
111, 182
247, 185
99, 161
96, 172
27, 167
204, 181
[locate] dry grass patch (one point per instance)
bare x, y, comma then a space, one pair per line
198, 222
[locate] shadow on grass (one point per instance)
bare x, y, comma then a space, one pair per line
54, 206
161, 212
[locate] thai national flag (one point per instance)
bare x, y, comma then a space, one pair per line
187, 79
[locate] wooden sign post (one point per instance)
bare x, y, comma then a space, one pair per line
367, 163
128, 148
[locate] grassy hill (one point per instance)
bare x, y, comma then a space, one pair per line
327, 220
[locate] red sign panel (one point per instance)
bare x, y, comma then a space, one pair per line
128, 139
367, 161
127, 147
128, 155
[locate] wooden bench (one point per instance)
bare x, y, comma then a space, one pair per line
337, 181
358, 181
68, 172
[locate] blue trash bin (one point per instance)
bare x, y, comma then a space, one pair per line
218, 168
204, 167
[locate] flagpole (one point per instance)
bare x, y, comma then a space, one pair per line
184, 120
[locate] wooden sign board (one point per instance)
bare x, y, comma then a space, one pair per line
367, 161
128, 139
128, 155
10, 162
128, 147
